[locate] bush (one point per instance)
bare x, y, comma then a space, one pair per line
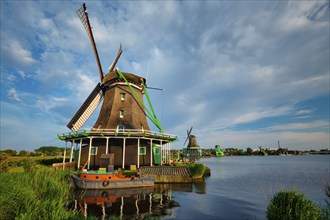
292, 205
28, 165
197, 170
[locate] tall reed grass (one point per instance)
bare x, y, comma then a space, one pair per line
42, 194
291, 205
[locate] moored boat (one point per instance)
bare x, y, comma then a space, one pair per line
109, 180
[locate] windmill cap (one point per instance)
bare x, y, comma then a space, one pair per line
113, 77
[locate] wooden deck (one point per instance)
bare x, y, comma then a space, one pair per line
167, 174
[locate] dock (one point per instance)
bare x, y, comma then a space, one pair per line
167, 174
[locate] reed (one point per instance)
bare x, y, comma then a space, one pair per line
291, 205
42, 194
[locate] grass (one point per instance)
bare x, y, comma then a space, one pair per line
291, 205
42, 194
197, 170
20, 164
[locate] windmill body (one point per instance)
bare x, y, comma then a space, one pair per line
120, 107
192, 142
121, 128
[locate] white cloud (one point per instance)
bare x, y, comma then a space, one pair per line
13, 95
14, 53
262, 113
299, 126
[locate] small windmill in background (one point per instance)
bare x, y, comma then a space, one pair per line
193, 151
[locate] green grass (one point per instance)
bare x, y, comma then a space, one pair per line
20, 164
35, 195
291, 205
197, 170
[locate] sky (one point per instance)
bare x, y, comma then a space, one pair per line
241, 73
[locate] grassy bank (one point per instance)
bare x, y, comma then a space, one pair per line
197, 170
42, 194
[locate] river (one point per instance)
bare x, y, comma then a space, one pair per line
238, 188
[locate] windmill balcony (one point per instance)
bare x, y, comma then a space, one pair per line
117, 133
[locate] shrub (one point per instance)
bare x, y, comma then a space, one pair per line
28, 165
197, 170
292, 205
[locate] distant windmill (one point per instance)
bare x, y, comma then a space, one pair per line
193, 151
192, 139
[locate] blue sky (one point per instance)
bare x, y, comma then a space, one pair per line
242, 73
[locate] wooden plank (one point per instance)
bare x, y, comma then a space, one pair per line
63, 166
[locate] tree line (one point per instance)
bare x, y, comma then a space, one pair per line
41, 151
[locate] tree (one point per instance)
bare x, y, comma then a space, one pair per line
249, 151
50, 150
8, 152
24, 153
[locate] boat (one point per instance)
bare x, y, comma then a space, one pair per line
109, 180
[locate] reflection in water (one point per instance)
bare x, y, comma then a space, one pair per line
135, 203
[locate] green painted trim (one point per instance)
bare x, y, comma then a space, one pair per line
151, 116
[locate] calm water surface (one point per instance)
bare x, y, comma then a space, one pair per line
238, 188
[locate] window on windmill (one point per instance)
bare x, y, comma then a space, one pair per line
121, 128
143, 151
122, 96
121, 113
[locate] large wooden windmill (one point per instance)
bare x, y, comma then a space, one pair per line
121, 128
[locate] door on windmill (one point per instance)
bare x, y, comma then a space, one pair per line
156, 150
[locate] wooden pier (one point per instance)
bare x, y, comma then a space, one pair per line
167, 174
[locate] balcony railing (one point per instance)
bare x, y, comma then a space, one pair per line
116, 133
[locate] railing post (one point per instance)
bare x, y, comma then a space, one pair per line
107, 145
150, 152
78, 164
124, 150
89, 152
138, 153
71, 151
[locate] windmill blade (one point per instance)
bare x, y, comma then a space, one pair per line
155, 88
188, 132
82, 14
120, 51
87, 109
186, 140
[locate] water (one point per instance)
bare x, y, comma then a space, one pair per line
238, 188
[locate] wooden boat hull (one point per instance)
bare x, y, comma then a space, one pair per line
112, 184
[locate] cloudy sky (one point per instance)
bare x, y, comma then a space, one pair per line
242, 73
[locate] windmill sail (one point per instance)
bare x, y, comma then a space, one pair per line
87, 109
120, 51
188, 135
82, 13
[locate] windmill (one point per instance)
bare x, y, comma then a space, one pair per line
193, 151
121, 127
107, 88
192, 139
